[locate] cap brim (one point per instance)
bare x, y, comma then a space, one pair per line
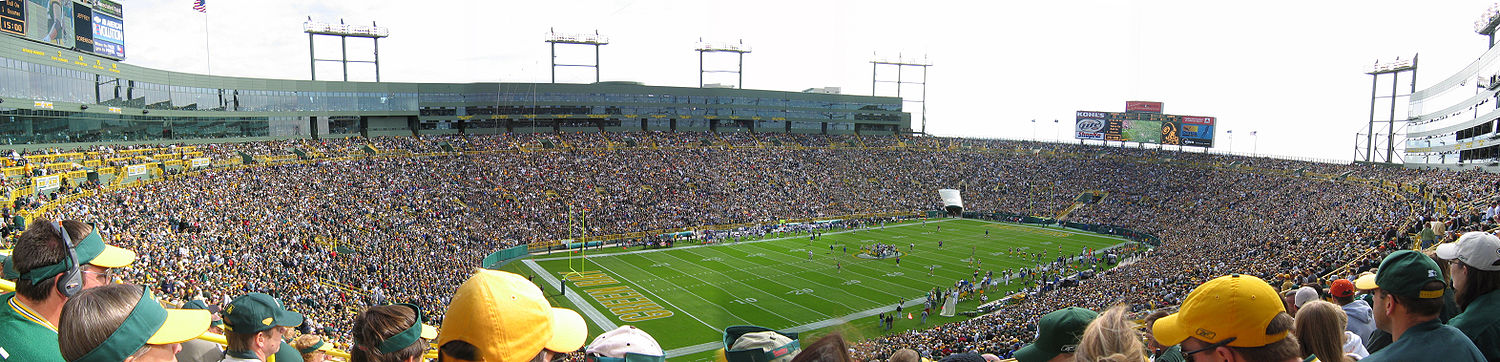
1366, 282
568, 331
429, 332
1169, 330
289, 319
182, 325
1031, 353
1447, 251
113, 257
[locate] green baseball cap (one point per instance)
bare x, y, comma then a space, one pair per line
257, 312
1057, 333
1404, 273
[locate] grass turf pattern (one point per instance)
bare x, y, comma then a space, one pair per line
774, 283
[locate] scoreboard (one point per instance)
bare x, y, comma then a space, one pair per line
1145, 127
89, 26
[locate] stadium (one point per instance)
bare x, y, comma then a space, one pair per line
152, 214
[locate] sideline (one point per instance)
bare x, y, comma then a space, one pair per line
583, 306
735, 243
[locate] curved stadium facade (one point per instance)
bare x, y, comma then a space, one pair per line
1452, 124
55, 96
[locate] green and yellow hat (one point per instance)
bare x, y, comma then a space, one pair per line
91, 250
257, 312
148, 323
1404, 273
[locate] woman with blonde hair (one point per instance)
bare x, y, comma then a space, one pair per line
1320, 327
312, 347
1113, 338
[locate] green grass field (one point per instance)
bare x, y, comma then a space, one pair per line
696, 291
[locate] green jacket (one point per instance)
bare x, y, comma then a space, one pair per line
22, 338
1481, 322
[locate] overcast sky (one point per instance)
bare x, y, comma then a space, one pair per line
1291, 70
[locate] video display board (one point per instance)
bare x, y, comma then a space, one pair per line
90, 26
1167, 129
13, 17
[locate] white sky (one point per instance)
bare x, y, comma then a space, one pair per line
1291, 70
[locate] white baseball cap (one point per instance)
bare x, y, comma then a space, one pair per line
1477, 249
624, 343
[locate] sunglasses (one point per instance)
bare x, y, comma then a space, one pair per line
1188, 355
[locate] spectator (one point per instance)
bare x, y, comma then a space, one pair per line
1111, 337
1320, 329
1231, 318
1360, 318
1159, 352
501, 317
389, 333
624, 344
122, 322
1474, 264
905, 355
198, 350
1304, 295
830, 348
759, 344
51, 267
1408, 292
254, 325
1058, 334
312, 347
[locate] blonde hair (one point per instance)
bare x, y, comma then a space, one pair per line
305, 341
1111, 337
1320, 329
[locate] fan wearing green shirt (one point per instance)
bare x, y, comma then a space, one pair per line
51, 266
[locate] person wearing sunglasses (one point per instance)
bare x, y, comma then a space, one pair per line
122, 322
391, 333
52, 262
1231, 318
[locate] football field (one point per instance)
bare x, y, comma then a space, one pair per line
684, 296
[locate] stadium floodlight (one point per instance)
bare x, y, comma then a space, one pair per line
901, 62
738, 48
1487, 21
554, 38
1393, 66
344, 32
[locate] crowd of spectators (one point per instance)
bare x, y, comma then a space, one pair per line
330, 236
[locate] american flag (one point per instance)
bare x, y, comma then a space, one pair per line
200, 6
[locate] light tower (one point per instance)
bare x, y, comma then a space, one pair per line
900, 63
554, 38
344, 32
738, 48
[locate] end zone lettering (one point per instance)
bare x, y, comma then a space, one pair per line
625, 303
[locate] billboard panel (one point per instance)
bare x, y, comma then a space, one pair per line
110, 8
1197, 131
1090, 125
13, 17
1143, 106
50, 21
109, 36
83, 28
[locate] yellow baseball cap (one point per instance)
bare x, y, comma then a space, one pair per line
1232, 306
508, 319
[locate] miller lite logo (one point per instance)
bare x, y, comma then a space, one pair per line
1090, 125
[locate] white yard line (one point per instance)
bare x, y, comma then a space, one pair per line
756, 305
736, 243
583, 306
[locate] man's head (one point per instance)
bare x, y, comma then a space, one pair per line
1151, 341
1474, 265
1233, 317
1408, 288
42, 255
624, 344
502, 317
1342, 291
1057, 336
256, 323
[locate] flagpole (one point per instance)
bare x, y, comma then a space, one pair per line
208, 54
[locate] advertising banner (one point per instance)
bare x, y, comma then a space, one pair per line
1197, 131
137, 170
1090, 125
1143, 106
199, 162
47, 183
109, 36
